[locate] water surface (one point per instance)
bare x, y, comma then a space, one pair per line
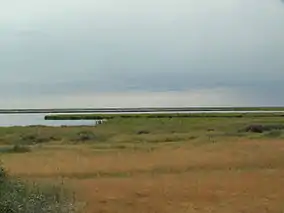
38, 119
7, 120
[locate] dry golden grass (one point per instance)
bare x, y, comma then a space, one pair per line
227, 176
83, 161
219, 191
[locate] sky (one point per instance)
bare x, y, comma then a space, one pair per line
90, 53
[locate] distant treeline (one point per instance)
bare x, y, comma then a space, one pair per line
157, 115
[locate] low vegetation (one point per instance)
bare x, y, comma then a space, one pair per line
260, 128
22, 197
167, 164
130, 132
160, 115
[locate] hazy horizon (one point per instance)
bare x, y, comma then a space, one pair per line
86, 53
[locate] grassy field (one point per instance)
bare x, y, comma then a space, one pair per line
178, 164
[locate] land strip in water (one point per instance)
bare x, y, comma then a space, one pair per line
103, 116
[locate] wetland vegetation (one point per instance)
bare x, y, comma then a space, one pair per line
161, 164
104, 116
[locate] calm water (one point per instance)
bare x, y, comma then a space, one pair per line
38, 119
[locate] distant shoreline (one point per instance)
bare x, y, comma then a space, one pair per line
148, 109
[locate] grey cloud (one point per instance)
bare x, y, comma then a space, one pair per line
78, 47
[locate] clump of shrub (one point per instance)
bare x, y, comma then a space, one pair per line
20, 197
36, 139
20, 149
3, 174
16, 149
254, 128
85, 136
260, 128
143, 132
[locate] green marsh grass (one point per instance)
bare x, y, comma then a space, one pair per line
119, 131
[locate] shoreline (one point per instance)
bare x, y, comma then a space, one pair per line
142, 109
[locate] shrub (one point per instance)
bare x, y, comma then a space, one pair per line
16, 149
255, 128
84, 136
19, 197
20, 149
3, 174
258, 128
35, 139
143, 132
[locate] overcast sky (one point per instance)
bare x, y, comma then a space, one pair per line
78, 53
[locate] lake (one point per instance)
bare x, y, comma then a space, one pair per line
37, 119
7, 120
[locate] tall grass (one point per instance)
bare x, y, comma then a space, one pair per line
21, 197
